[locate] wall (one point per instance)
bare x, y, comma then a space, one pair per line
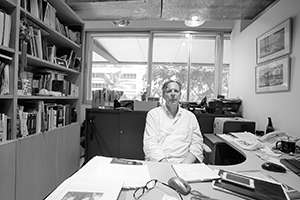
283, 107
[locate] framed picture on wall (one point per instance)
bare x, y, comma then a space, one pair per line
273, 76
274, 43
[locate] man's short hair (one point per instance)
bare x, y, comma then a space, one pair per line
165, 85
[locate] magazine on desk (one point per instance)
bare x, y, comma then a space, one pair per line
198, 172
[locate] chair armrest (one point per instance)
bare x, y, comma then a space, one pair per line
206, 148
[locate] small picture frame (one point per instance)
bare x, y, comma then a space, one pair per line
274, 43
273, 76
61, 62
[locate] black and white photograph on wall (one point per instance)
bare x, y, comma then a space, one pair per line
273, 76
274, 43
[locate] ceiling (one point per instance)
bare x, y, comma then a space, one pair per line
165, 12
175, 10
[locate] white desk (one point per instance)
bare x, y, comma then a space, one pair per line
163, 172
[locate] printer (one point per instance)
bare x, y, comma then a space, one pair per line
233, 124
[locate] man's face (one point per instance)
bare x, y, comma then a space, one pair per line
172, 94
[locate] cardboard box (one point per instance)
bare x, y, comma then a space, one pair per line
144, 105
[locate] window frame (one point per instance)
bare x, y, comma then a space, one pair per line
219, 41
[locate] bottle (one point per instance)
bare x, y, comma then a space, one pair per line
269, 127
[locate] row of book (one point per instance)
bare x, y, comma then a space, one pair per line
38, 46
45, 12
36, 116
5, 127
64, 57
5, 28
104, 98
4, 78
32, 83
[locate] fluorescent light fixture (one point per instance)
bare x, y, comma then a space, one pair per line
121, 22
193, 21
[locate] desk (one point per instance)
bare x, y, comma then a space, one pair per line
163, 172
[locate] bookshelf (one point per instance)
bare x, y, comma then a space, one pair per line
33, 164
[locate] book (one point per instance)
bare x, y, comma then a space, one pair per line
34, 8
3, 127
263, 190
198, 172
4, 78
7, 30
2, 22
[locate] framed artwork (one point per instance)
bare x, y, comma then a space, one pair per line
274, 43
273, 76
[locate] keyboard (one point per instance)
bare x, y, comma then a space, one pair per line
292, 163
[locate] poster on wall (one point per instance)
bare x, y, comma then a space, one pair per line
274, 43
273, 76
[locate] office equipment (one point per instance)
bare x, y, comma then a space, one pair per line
233, 124
272, 135
292, 163
237, 179
263, 190
195, 173
179, 185
270, 166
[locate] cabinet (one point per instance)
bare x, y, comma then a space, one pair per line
222, 153
32, 166
120, 133
114, 133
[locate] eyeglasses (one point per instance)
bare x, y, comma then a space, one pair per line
140, 191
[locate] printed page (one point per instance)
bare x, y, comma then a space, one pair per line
195, 172
88, 187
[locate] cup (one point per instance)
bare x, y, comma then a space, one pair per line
286, 146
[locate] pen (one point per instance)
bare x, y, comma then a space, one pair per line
232, 135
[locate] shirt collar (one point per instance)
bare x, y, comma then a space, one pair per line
178, 114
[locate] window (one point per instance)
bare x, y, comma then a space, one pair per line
119, 61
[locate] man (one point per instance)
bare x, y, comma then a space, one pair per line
172, 134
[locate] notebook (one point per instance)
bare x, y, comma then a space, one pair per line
198, 172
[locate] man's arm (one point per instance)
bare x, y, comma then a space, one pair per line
190, 158
152, 149
196, 149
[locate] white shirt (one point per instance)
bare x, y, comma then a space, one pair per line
172, 138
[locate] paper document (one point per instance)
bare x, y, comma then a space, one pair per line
134, 175
195, 172
245, 140
88, 187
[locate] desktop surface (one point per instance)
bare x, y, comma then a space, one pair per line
164, 171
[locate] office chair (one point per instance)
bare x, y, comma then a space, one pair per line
206, 151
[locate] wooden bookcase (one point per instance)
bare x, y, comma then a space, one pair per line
31, 167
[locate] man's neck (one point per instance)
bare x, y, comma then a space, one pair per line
173, 109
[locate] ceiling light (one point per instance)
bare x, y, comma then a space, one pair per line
121, 22
193, 21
